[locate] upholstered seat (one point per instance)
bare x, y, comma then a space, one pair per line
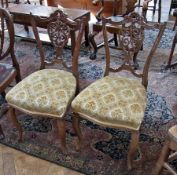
45, 92
119, 101
113, 101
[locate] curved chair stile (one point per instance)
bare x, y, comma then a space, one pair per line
49, 92
119, 101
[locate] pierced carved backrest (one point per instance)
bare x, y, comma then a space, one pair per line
130, 32
59, 28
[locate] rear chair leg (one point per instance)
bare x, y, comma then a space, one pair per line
132, 149
76, 127
15, 122
62, 134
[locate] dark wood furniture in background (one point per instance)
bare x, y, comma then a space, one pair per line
8, 72
170, 64
166, 155
21, 14
174, 64
51, 90
91, 5
119, 101
146, 7
97, 27
173, 5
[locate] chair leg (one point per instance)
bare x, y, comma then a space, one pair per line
77, 130
132, 148
175, 24
163, 158
115, 39
3, 94
159, 12
15, 122
154, 7
93, 43
62, 134
172, 50
2, 136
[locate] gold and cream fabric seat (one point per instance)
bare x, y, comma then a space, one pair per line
46, 92
113, 101
49, 92
119, 100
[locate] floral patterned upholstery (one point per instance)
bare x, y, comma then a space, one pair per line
45, 92
113, 101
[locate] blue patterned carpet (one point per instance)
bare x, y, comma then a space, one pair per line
105, 149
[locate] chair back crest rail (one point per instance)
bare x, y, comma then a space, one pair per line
59, 28
131, 37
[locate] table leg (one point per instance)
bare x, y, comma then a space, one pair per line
86, 34
73, 41
159, 11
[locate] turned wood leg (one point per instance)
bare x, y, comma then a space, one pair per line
175, 24
133, 147
62, 134
93, 43
163, 158
172, 50
15, 122
115, 39
87, 34
154, 7
1, 133
76, 127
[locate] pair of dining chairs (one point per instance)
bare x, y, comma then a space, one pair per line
112, 101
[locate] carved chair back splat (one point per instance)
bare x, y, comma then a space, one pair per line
51, 90
131, 37
119, 101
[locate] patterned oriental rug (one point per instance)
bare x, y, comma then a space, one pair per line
105, 149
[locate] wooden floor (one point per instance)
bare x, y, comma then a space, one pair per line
13, 162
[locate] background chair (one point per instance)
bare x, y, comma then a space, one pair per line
147, 7
97, 27
119, 101
8, 72
170, 64
166, 153
49, 92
